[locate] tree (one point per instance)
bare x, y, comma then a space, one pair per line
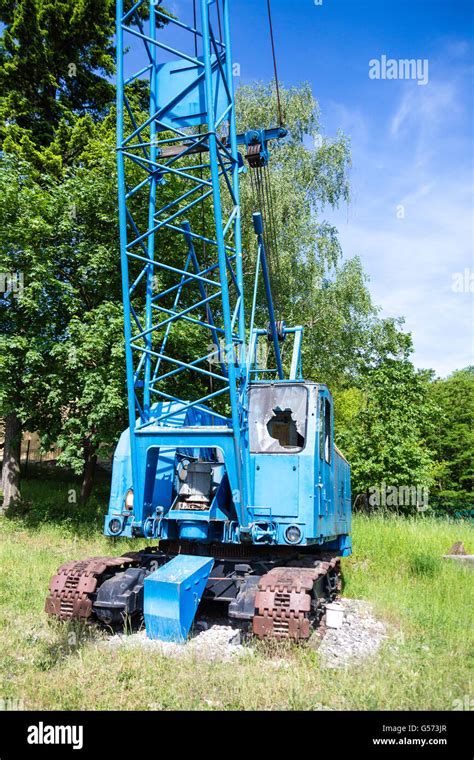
303, 179
312, 284
382, 427
452, 438
55, 64
28, 324
10, 481
88, 385
63, 335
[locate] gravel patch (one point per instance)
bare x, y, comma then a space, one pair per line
211, 642
359, 637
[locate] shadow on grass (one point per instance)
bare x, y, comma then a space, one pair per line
51, 496
63, 640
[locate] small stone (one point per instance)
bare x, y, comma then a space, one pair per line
457, 548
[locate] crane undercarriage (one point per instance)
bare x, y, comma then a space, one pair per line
272, 594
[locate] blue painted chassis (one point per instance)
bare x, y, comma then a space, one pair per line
300, 488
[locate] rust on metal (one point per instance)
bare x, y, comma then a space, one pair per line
71, 587
283, 600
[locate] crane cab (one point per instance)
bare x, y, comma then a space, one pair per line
300, 481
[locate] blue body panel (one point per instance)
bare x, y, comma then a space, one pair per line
172, 595
183, 76
308, 488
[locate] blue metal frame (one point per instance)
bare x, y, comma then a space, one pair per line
198, 91
253, 368
180, 143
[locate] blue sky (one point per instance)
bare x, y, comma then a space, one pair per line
410, 218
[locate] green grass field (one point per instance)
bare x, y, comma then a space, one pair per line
425, 665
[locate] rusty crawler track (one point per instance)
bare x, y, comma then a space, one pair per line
284, 603
75, 581
284, 600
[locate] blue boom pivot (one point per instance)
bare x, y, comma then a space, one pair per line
226, 459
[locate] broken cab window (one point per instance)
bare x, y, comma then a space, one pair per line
283, 428
277, 418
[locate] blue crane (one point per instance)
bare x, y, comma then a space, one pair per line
228, 462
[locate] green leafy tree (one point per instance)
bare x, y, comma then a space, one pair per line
55, 67
312, 284
452, 438
55, 64
91, 361
32, 310
383, 426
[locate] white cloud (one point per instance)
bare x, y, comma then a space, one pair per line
425, 109
419, 156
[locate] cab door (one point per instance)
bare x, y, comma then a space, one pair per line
325, 456
276, 483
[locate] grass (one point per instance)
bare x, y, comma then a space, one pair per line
397, 565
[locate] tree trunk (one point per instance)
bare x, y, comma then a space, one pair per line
11, 461
90, 461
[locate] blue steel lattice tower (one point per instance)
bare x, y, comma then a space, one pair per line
185, 143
